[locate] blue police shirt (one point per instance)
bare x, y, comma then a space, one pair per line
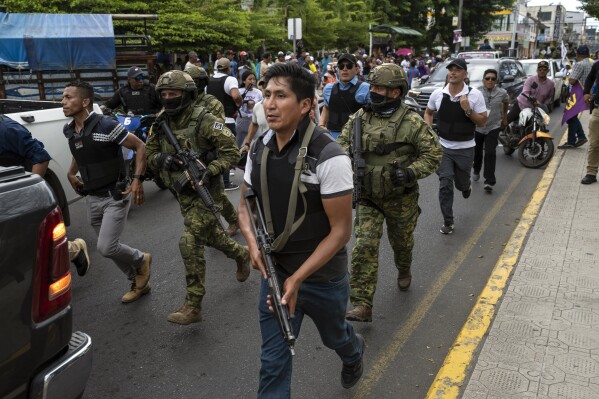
362, 94
16, 139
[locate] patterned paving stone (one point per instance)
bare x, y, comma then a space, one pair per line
505, 381
572, 391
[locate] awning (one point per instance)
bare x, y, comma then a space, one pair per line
57, 41
385, 28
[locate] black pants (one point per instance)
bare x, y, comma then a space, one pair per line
513, 113
486, 146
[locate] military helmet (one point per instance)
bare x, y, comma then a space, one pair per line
196, 72
176, 80
389, 75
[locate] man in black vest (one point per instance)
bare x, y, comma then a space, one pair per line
343, 98
460, 109
95, 142
138, 96
311, 263
225, 88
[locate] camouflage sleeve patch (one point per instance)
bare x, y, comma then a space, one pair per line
218, 125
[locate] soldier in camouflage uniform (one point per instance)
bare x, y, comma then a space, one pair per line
398, 149
195, 128
216, 108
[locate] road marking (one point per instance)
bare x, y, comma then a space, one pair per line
454, 371
409, 326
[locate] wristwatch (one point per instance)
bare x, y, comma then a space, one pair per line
468, 113
138, 177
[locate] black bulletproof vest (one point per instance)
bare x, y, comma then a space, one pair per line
139, 101
316, 224
99, 162
216, 87
452, 122
341, 105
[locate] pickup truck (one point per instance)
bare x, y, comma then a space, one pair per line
40, 355
45, 120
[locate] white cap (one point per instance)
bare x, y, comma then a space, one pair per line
287, 57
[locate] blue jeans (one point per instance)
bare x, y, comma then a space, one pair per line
325, 304
575, 130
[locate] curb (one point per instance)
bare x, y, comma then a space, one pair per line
452, 375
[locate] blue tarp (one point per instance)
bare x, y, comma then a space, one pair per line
57, 41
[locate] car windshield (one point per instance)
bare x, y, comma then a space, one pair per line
530, 68
475, 72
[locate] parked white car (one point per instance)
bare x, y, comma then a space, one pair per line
530, 67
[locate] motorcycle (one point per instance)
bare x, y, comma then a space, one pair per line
138, 125
530, 136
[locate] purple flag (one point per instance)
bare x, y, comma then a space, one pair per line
575, 103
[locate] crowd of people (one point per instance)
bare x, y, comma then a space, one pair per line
304, 168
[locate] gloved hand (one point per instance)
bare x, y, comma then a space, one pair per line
402, 176
206, 178
168, 162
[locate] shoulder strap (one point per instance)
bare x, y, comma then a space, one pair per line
297, 188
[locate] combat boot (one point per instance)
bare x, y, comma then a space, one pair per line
143, 273
404, 281
187, 314
135, 293
232, 229
243, 266
360, 313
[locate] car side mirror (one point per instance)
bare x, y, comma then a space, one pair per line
559, 75
508, 79
423, 79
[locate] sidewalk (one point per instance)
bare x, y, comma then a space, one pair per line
544, 341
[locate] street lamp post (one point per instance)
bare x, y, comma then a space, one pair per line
461, 4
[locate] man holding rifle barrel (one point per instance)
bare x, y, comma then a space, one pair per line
191, 149
301, 181
392, 148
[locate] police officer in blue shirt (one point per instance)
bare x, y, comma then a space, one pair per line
343, 98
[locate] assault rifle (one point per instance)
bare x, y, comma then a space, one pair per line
193, 170
264, 241
359, 165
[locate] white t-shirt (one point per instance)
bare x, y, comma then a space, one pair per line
334, 175
230, 83
259, 118
477, 103
250, 100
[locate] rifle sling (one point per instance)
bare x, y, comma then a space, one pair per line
298, 188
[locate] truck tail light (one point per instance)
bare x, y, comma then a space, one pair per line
52, 279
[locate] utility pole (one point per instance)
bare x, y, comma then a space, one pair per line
514, 26
461, 4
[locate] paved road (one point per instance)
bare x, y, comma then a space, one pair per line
137, 353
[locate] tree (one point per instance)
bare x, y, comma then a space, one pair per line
591, 7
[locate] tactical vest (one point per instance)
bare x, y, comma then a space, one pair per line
216, 87
212, 104
316, 225
385, 142
342, 104
452, 122
188, 139
139, 101
100, 162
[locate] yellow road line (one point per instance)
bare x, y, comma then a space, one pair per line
453, 373
409, 326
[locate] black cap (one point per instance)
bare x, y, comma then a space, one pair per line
583, 50
459, 62
346, 56
543, 64
134, 71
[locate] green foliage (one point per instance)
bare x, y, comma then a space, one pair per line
208, 25
591, 7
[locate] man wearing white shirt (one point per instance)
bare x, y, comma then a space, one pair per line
225, 88
460, 109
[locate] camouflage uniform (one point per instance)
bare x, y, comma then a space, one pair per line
199, 130
217, 109
403, 138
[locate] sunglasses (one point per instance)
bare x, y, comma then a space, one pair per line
345, 66
491, 78
139, 77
